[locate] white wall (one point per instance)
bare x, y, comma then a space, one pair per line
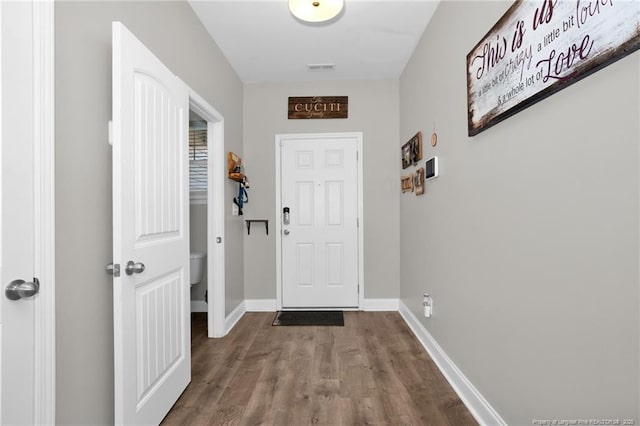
84, 330
528, 241
198, 232
373, 109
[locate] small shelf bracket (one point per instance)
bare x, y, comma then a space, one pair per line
249, 221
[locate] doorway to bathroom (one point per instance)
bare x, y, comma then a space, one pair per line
206, 215
198, 185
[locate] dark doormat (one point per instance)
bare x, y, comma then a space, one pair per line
335, 318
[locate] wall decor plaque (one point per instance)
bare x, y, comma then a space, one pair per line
539, 47
418, 181
412, 151
406, 183
318, 107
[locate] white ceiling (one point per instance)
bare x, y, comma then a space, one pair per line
265, 43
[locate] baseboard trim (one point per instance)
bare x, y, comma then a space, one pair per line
199, 306
232, 319
479, 407
260, 305
371, 305
375, 305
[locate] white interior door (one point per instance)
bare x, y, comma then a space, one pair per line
151, 233
17, 224
319, 187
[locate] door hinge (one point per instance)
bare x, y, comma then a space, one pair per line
110, 131
113, 269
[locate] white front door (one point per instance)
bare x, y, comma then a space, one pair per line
150, 233
17, 320
319, 189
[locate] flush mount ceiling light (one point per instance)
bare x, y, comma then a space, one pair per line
315, 10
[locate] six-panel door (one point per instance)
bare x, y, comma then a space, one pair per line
320, 245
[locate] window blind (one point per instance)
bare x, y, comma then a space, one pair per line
198, 156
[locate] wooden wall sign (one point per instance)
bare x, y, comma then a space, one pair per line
406, 183
540, 47
235, 169
318, 107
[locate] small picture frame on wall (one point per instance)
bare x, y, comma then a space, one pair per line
406, 155
416, 148
406, 183
418, 181
412, 151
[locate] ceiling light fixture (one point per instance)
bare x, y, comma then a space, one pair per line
315, 10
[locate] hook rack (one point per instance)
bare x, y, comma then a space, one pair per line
250, 221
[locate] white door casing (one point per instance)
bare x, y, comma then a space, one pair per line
319, 181
151, 228
216, 176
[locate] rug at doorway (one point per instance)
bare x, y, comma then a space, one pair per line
330, 318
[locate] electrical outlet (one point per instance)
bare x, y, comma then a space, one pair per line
427, 304
234, 210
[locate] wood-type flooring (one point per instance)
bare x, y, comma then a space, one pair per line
372, 371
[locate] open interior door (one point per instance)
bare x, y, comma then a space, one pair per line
17, 226
150, 233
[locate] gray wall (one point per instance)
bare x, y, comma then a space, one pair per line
84, 295
528, 241
373, 109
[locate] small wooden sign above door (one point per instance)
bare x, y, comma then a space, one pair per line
318, 107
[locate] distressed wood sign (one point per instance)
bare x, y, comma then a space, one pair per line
540, 47
318, 107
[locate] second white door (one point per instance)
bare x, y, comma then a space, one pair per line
152, 330
17, 218
319, 241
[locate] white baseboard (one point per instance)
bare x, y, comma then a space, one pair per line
373, 305
269, 305
232, 319
198, 306
260, 305
474, 401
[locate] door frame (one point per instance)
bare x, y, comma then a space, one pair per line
215, 213
279, 139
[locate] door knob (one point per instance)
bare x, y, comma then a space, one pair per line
285, 232
19, 289
134, 268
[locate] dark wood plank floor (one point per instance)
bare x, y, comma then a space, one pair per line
372, 371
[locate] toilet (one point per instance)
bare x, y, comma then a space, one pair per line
196, 266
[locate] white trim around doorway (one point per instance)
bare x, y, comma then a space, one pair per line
279, 138
215, 214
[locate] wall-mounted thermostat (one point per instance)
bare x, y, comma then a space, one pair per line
431, 168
